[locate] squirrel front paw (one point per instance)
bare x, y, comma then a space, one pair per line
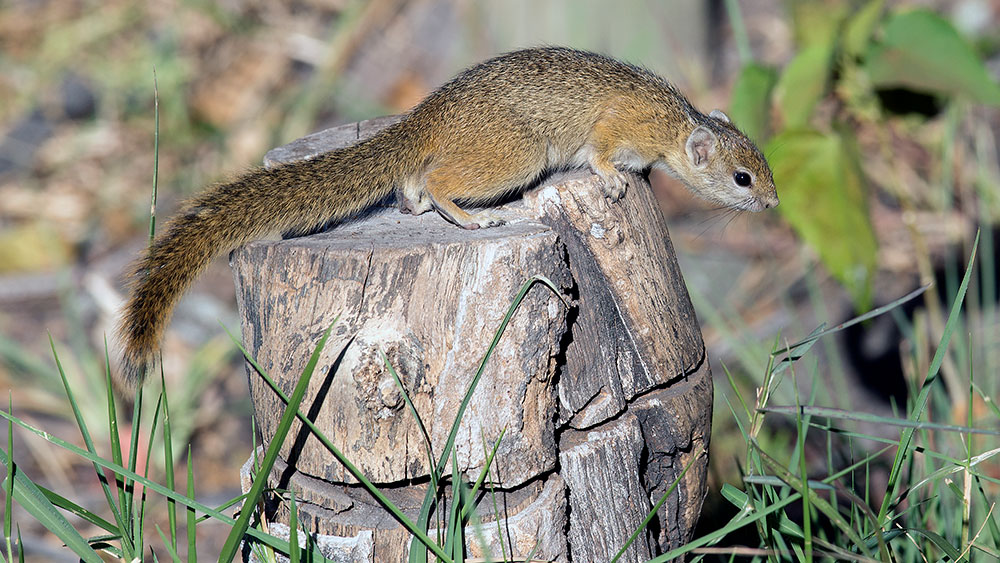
614, 186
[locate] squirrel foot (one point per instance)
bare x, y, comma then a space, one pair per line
485, 220
614, 186
410, 206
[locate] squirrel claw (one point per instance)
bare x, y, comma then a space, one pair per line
484, 220
614, 186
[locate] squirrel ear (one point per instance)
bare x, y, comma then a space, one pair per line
700, 146
717, 114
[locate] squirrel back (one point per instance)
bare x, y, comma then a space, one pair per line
492, 130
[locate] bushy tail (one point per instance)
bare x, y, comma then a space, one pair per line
299, 197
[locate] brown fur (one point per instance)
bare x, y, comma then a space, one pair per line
491, 131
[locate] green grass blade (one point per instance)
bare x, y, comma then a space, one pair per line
484, 472
101, 543
429, 499
521, 294
738, 498
151, 485
168, 461
748, 514
796, 351
167, 543
232, 544
116, 456
743, 519
8, 489
87, 440
293, 528
149, 455
802, 428
987, 400
921, 401
192, 540
416, 555
351, 468
821, 505
493, 499
156, 158
817, 334
990, 518
454, 541
839, 414
739, 396
409, 405
83, 513
656, 507
939, 541
34, 501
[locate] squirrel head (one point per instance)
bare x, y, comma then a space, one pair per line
722, 165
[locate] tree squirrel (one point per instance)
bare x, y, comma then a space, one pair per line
491, 131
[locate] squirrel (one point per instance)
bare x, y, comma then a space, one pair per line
493, 130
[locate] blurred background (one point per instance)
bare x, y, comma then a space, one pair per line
886, 166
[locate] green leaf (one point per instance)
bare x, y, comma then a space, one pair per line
922, 51
859, 28
803, 84
817, 23
823, 198
750, 105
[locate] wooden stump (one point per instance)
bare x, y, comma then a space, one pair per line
603, 395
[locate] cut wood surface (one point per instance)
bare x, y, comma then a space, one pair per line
602, 392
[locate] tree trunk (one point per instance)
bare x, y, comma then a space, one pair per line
602, 393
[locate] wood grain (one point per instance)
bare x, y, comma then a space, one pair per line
602, 391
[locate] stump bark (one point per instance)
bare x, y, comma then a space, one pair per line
602, 393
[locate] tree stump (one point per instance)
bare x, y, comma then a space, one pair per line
603, 393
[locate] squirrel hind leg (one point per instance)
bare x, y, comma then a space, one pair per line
413, 199
452, 213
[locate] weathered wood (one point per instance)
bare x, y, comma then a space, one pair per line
433, 312
633, 303
348, 520
603, 401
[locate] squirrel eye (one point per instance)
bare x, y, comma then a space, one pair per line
742, 179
